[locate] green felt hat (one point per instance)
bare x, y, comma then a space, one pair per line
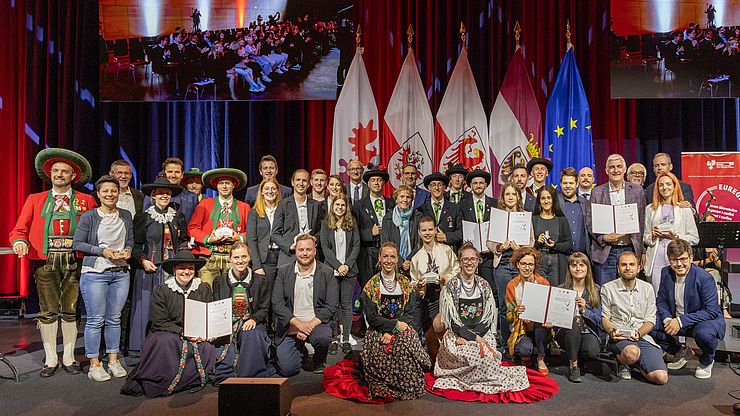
213, 176
48, 157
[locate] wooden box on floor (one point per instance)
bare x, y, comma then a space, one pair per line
254, 396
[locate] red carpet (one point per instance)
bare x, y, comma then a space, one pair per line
341, 380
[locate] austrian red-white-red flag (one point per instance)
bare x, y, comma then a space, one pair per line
461, 128
408, 126
355, 133
516, 123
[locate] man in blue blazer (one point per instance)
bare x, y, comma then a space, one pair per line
409, 176
687, 305
268, 169
305, 299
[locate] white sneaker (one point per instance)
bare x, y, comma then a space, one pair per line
98, 373
352, 341
266, 78
278, 71
704, 372
680, 358
116, 369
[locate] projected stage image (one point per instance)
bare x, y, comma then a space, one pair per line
675, 49
173, 50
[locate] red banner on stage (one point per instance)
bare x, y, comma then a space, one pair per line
715, 178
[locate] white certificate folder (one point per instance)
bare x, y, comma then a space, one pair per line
512, 226
476, 233
620, 219
207, 320
548, 304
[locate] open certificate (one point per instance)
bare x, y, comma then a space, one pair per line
548, 304
207, 320
476, 233
512, 226
620, 219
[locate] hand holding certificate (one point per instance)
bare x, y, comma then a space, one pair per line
207, 320
476, 233
548, 304
610, 219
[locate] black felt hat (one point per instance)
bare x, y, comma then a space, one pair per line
478, 173
436, 176
182, 257
161, 182
539, 161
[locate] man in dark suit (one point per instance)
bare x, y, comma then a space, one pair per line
304, 300
409, 176
356, 187
369, 212
268, 169
661, 164
606, 248
456, 173
519, 177
585, 182
574, 208
185, 202
477, 208
297, 214
687, 306
446, 215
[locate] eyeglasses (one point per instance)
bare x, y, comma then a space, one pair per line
526, 265
469, 260
683, 260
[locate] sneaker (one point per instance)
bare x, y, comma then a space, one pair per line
352, 341
255, 88
574, 375
623, 371
680, 358
310, 349
98, 373
266, 78
296, 67
279, 71
284, 68
704, 371
116, 369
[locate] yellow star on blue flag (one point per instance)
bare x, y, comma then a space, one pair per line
573, 124
559, 131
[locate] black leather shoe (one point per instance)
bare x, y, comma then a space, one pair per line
574, 375
346, 347
73, 368
333, 348
49, 371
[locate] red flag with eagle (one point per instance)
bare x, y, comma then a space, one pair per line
516, 123
461, 129
355, 121
408, 126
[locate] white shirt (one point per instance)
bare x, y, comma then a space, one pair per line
443, 257
126, 201
270, 212
302, 209
226, 202
303, 294
679, 292
340, 239
629, 308
352, 187
616, 196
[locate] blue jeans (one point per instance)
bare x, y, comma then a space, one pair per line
104, 295
503, 275
607, 271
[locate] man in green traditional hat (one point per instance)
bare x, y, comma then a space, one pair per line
44, 233
219, 222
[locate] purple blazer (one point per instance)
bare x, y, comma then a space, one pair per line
633, 194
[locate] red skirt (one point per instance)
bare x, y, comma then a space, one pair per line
344, 380
540, 388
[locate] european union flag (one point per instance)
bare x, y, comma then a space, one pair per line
568, 141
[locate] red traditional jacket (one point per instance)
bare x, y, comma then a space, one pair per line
207, 217
32, 223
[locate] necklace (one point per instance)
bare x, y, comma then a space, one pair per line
469, 291
390, 288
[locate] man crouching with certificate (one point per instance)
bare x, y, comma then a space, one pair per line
246, 352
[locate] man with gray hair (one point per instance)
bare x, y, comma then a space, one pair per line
606, 248
637, 173
661, 164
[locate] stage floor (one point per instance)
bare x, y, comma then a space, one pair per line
599, 394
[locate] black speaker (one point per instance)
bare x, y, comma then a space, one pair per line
254, 396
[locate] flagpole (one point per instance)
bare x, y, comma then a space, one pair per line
463, 35
517, 36
410, 36
567, 35
358, 38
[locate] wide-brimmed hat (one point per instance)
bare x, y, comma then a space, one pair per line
213, 176
375, 171
191, 173
182, 256
455, 168
539, 161
48, 157
478, 173
436, 176
161, 182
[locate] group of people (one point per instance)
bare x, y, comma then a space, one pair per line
257, 53
289, 258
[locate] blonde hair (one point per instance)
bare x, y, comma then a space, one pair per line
403, 188
518, 206
259, 202
346, 221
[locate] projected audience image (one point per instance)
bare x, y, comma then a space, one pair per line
173, 50
675, 49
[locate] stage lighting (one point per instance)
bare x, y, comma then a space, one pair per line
204, 6
664, 11
151, 9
